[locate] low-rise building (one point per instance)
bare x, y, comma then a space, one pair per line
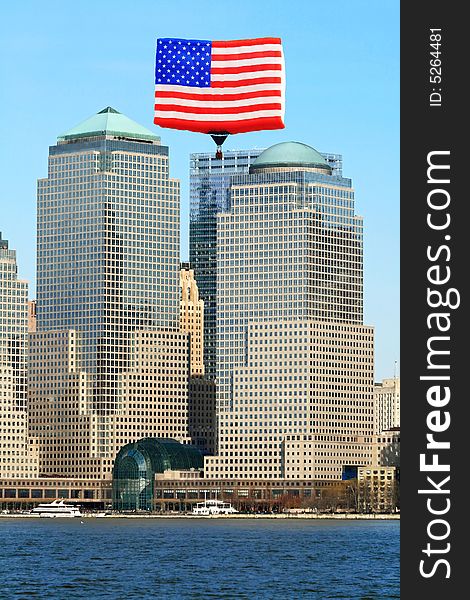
181, 494
24, 494
377, 489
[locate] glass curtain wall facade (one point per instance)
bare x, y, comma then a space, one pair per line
137, 464
209, 194
108, 245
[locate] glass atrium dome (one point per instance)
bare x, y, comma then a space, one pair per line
136, 464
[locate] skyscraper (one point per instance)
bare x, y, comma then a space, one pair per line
108, 244
209, 194
288, 247
14, 322
18, 457
108, 298
210, 180
294, 366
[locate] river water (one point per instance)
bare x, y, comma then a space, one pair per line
126, 559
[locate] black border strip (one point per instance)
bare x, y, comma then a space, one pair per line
433, 249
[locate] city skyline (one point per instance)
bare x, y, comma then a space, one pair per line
348, 104
108, 349
110, 361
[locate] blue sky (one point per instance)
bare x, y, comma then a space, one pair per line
61, 62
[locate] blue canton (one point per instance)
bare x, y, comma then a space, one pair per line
183, 62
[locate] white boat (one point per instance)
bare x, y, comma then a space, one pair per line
213, 507
56, 508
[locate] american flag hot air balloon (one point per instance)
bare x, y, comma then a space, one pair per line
219, 87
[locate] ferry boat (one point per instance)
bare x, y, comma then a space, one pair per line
213, 507
56, 508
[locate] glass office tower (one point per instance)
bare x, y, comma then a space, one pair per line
209, 186
108, 245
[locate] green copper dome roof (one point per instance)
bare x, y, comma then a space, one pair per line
290, 154
109, 122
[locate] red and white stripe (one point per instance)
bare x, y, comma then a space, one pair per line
247, 91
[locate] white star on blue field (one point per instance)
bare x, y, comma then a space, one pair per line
183, 62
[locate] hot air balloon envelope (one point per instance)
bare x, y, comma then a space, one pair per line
220, 87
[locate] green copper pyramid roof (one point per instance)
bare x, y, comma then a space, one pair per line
108, 122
